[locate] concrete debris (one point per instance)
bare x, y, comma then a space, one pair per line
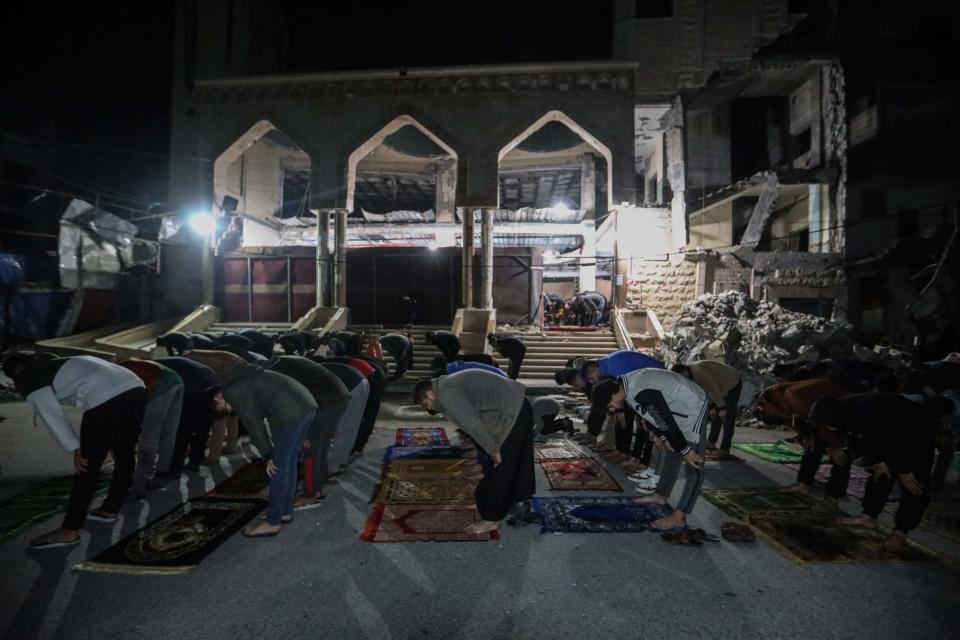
753, 336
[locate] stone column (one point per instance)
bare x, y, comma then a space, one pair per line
486, 270
621, 264
207, 272
340, 268
444, 204
467, 259
588, 257
588, 186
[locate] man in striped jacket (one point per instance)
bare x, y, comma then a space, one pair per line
674, 409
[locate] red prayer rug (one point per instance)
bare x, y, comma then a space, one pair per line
423, 523
578, 474
556, 450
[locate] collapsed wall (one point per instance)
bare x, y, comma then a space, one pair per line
753, 336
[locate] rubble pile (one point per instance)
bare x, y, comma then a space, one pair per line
753, 336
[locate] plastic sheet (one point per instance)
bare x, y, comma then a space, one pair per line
94, 247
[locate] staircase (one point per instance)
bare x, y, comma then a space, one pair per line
550, 350
423, 353
269, 328
546, 351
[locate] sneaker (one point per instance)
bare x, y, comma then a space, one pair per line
99, 516
647, 483
646, 492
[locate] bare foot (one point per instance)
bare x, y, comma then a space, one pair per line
262, 529
828, 505
476, 476
675, 520
56, 538
896, 542
481, 526
799, 487
653, 498
862, 520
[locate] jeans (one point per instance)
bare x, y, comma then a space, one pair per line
111, 426
729, 420
286, 451
160, 420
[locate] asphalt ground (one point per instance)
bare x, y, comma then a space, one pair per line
316, 580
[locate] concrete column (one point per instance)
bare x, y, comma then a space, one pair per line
621, 264
467, 259
588, 186
588, 257
340, 268
207, 273
486, 272
446, 194
326, 274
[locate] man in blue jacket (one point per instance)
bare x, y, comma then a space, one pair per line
618, 363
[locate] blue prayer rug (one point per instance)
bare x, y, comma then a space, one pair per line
397, 452
422, 436
606, 514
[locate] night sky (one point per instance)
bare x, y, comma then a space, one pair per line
101, 72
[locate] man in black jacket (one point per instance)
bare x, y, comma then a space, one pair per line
896, 437
200, 384
509, 347
447, 342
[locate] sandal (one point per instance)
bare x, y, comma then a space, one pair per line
682, 538
263, 534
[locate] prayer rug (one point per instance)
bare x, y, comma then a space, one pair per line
779, 451
178, 541
742, 502
557, 450
248, 481
422, 437
423, 523
578, 474
456, 489
609, 514
397, 452
417, 470
811, 538
36, 504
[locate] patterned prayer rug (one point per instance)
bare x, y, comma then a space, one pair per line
578, 474
406, 469
399, 453
455, 489
178, 541
247, 482
610, 514
422, 437
33, 505
423, 523
780, 451
808, 538
557, 449
742, 502
858, 480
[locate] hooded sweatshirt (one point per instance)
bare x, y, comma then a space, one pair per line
483, 404
260, 397
670, 403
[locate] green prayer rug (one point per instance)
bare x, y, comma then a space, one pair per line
36, 504
779, 451
178, 541
741, 503
812, 538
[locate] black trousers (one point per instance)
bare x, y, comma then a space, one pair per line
622, 436
113, 426
839, 475
513, 480
193, 431
911, 508
513, 370
642, 447
729, 420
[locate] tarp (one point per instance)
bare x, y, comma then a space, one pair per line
94, 246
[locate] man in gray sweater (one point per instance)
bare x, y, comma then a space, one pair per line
260, 397
494, 411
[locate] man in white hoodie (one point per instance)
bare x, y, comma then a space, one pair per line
675, 409
113, 401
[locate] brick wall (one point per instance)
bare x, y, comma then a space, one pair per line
663, 287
